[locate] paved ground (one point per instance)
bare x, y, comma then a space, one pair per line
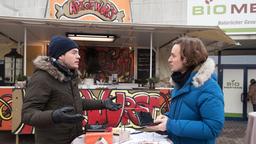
233, 133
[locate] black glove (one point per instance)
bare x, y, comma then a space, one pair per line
109, 104
66, 115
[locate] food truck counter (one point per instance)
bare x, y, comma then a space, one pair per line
110, 86
155, 101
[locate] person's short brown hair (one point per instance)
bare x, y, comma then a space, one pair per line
193, 50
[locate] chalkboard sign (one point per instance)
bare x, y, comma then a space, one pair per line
143, 64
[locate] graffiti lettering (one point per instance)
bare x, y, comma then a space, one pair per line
131, 101
5, 108
106, 9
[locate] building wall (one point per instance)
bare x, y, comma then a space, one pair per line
24, 8
159, 11
143, 11
238, 59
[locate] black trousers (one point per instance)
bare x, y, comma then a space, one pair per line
254, 107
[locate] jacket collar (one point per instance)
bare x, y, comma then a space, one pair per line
198, 77
43, 63
201, 73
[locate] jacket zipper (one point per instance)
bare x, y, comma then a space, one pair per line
174, 115
74, 104
72, 90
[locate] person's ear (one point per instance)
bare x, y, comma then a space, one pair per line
61, 58
184, 61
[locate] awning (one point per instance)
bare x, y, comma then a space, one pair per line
31, 31
128, 34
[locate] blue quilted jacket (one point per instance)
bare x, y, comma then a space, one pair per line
196, 113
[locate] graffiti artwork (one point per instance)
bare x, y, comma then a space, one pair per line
104, 61
5, 109
153, 101
131, 101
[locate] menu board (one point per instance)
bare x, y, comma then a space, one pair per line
143, 64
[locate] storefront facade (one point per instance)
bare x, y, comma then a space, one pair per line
237, 64
236, 19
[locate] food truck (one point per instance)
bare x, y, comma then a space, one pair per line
138, 51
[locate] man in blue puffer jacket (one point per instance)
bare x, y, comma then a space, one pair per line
196, 113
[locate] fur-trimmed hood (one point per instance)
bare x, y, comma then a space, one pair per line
43, 63
203, 73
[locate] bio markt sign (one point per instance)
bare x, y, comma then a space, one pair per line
91, 10
233, 16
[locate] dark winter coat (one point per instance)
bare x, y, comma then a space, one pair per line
48, 89
252, 93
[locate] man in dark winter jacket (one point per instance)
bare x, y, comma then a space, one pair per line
52, 103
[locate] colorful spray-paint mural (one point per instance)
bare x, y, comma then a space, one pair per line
17, 126
5, 109
132, 101
102, 62
154, 101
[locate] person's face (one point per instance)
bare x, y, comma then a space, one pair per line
71, 58
175, 61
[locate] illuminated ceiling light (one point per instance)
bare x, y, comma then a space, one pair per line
91, 37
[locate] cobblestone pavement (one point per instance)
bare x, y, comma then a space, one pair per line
233, 133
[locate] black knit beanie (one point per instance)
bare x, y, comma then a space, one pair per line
59, 45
